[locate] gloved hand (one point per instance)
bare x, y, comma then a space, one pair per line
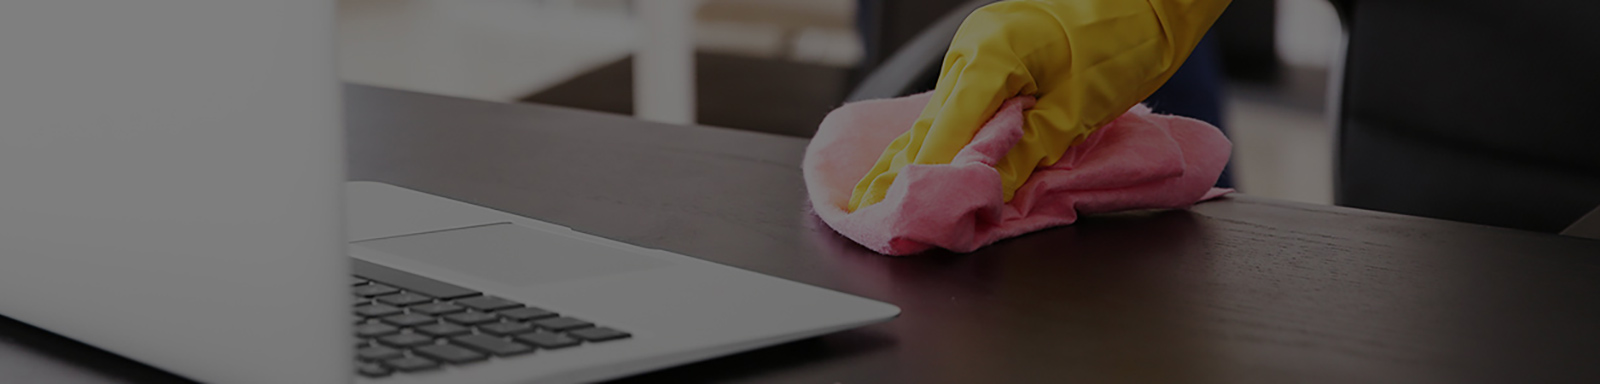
1087, 62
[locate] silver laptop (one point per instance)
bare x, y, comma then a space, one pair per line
171, 190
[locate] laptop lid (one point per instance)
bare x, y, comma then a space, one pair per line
170, 182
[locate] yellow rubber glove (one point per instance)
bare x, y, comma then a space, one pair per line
1087, 61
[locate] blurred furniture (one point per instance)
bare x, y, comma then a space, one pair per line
902, 62
1247, 35
663, 66
487, 50
886, 26
747, 93
1478, 111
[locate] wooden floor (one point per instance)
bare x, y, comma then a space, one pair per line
755, 94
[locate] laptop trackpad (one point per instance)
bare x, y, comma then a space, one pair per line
514, 255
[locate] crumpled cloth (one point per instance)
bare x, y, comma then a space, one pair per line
1141, 160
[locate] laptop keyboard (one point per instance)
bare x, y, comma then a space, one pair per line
408, 323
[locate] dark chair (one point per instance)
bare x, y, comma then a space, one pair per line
1472, 110
1587, 227
914, 65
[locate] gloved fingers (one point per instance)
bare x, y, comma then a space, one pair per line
970, 90
872, 187
1086, 60
1048, 130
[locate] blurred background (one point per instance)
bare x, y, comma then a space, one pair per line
778, 66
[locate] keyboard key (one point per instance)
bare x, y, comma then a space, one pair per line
471, 318
408, 281
358, 300
375, 329
487, 303
372, 370
376, 310
377, 353
409, 319
405, 340
548, 340
562, 323
491, 345
370, 290
505, 329
526, 313
450, 354
443, 330
357, 281
404, 299
437, 309
411, 364
358, 319
599, 334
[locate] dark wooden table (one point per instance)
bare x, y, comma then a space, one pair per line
1239, 290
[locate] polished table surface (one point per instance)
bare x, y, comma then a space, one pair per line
1238, 290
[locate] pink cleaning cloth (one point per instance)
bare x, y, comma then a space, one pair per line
1141, 160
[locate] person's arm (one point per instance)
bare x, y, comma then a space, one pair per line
1087, 61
